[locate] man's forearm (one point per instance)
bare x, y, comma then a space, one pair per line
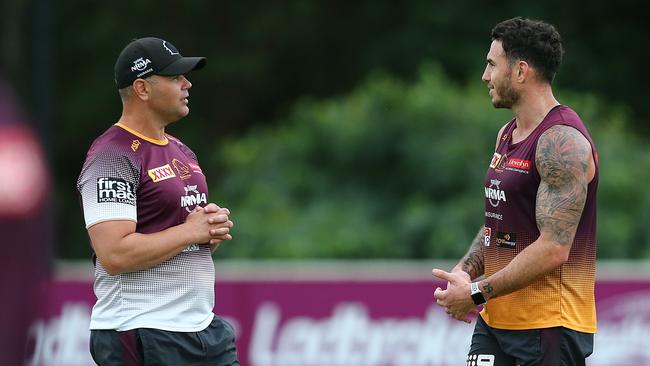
473, 262
536, 260
133, 251
121, 249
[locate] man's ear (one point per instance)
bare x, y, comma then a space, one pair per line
522, 71
141, 89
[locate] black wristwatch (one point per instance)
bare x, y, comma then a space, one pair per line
477, 295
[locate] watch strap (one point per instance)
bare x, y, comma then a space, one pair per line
477, 295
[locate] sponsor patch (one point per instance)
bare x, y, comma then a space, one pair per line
140, 64
495, 160
487, 236
498, 162
494, 194
192, 198
115, 190
501, 164
161, 173
506, 240
195, 168
518, 165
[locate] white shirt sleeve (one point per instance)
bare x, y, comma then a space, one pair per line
108, 184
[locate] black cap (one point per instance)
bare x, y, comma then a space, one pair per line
148, 56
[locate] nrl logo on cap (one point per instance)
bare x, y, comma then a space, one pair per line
140, 64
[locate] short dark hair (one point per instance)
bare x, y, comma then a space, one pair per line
533, 41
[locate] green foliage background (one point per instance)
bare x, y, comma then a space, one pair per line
316, 123
395, 170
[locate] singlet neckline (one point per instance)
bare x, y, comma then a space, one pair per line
138, 134
511, 145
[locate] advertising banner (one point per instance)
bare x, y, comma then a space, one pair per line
343, 321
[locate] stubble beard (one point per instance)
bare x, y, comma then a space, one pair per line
508, 96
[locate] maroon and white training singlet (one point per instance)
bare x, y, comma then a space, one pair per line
564, 297
128, 176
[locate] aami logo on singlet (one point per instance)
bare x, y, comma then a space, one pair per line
494, 194
161, 173
192, 198
115, 190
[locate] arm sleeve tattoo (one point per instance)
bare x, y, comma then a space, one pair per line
562, 157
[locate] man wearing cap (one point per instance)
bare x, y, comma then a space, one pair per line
152, 230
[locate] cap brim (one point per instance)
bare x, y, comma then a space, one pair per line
183, 65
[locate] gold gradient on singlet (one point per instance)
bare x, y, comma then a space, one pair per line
564, 297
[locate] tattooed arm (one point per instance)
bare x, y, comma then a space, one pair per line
472, 261
565, 165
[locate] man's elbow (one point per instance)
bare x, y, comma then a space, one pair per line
112, 265
113, 271
560, 254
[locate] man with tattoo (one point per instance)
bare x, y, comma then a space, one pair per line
533, 264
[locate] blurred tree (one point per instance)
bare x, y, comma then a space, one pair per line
396, 171
264, 55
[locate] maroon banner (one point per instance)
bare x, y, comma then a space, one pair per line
342, 322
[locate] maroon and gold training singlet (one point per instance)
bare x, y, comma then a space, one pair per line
564, 297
